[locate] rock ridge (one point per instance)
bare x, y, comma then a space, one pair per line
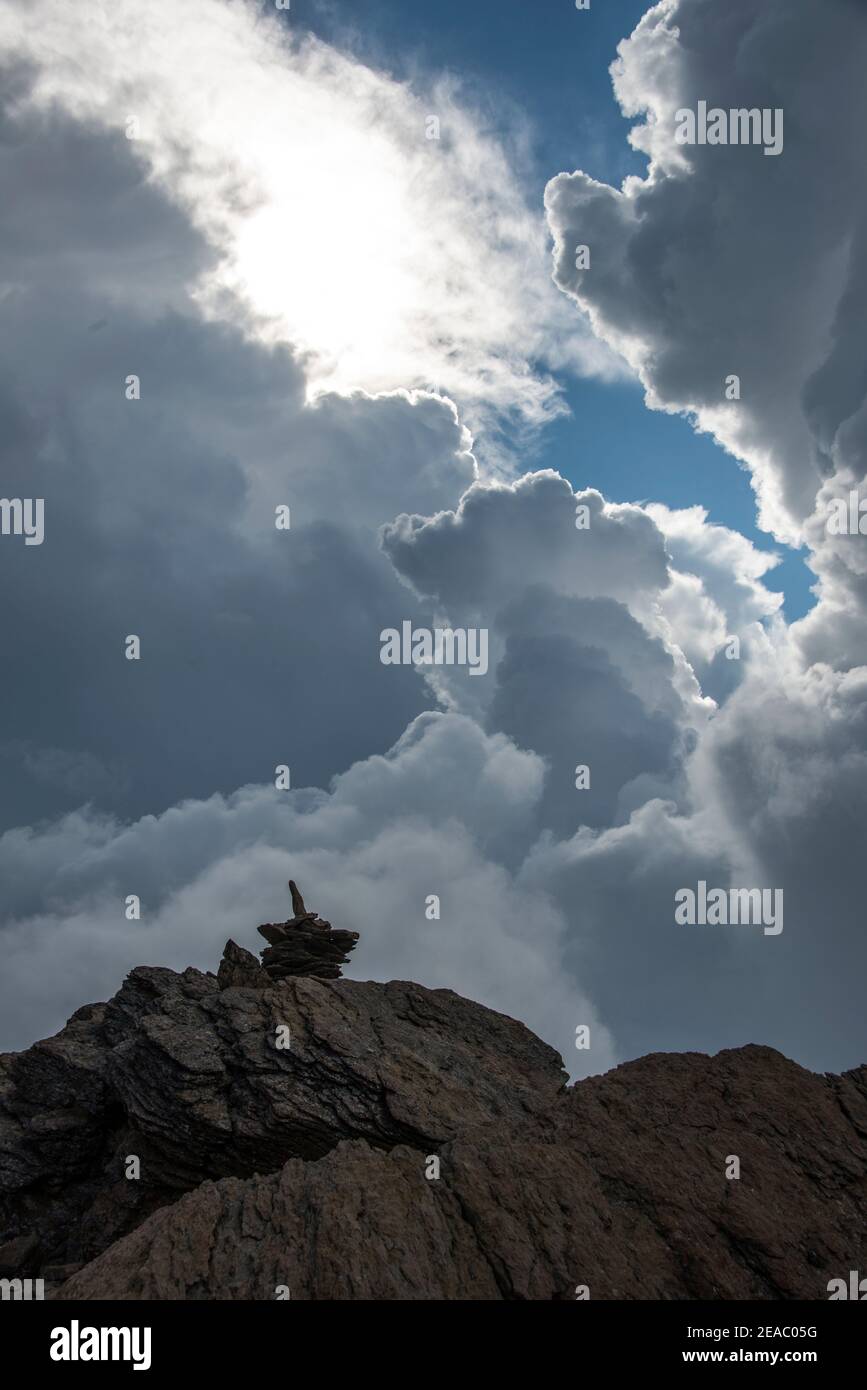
347, 1139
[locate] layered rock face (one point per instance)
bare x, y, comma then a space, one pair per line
313, 1137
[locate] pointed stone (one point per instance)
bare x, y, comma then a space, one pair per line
240, 969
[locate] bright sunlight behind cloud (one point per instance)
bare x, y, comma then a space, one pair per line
390, 258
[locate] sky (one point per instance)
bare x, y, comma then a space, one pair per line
295, 349
547, 66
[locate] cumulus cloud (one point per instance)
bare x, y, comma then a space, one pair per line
716, 594
338, 223
723, 261
427, 819
503, 536
474, 561
160, 512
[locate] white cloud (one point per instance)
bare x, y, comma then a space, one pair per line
393, 831
716, 594
722, 261
389, 259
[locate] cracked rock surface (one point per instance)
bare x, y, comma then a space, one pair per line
284, 1132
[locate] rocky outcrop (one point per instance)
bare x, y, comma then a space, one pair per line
242, 1136
239, 969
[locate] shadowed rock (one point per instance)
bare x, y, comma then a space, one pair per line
22, 1253
285, 1127
190, 1078
618, 1184
307, 950
239, 969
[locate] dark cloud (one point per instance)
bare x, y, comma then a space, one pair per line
160, 513
561, 694
504, 536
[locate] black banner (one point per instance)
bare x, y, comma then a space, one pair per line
237, 1339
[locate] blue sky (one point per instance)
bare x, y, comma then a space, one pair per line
548, 63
